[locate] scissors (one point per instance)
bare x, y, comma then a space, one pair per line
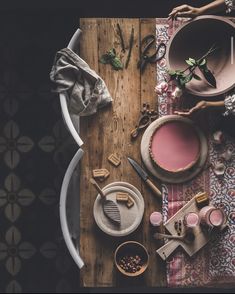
145, 58
147, 116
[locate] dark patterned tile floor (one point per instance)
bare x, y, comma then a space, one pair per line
33, 255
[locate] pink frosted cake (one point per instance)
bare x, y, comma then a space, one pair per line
175, 146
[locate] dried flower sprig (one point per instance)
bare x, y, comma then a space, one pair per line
131, 43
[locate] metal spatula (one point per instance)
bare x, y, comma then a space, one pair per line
110, 208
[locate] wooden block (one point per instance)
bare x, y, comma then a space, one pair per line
122, 197
202, 199
100, 174
114, 159
130, 202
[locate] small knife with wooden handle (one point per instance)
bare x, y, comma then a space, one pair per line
144, 176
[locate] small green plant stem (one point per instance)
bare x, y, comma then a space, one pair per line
211, 50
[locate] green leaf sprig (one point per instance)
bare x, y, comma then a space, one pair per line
111, 58
182, 77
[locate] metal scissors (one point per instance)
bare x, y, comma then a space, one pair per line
146, 43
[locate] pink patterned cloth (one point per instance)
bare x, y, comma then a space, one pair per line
214, 264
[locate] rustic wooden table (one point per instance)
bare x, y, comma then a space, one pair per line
108, 132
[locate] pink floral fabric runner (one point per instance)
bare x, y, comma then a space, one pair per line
214, 264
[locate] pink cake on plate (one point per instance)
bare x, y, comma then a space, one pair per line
175, 146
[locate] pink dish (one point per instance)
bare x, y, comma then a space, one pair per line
175, 146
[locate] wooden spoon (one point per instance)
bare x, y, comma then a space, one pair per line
187, 237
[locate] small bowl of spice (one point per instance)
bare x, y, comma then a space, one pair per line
131, 258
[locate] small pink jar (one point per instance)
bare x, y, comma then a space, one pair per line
191, 220
216, 217
211, 216
156, 219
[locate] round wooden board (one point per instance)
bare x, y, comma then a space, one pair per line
130, 218
161, 174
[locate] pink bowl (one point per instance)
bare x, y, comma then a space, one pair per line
194, 39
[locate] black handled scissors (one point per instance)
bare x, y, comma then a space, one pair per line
147, 42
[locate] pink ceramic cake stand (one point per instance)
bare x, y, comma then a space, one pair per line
157, 171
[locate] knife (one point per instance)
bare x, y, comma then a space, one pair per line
144, 176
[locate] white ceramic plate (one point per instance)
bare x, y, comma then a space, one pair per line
130, 218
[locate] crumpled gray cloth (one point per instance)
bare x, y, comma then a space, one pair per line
87, 91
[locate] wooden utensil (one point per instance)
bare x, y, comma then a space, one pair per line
186, 237
110, 208
144, 176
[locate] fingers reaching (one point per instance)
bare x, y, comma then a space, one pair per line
182, 113
183, 11
199, 106
180, 8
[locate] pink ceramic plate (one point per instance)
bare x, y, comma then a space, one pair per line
175, 146
193, 40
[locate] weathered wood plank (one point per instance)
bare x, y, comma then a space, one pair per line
105, 133
109, 131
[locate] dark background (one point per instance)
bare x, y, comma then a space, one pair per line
103, 8
30, 34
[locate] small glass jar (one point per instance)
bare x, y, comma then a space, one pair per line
216, 217
191, 220
156, 219
212, 216
203, 213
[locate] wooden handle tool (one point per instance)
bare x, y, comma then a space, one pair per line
153, 188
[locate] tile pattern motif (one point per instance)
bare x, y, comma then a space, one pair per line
35, 149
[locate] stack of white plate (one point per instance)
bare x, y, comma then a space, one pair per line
130, 217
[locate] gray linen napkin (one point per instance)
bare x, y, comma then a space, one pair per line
87, 91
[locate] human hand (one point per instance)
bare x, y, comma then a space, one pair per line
199, 106
184, 11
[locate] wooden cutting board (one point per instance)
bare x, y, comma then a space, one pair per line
201, 236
